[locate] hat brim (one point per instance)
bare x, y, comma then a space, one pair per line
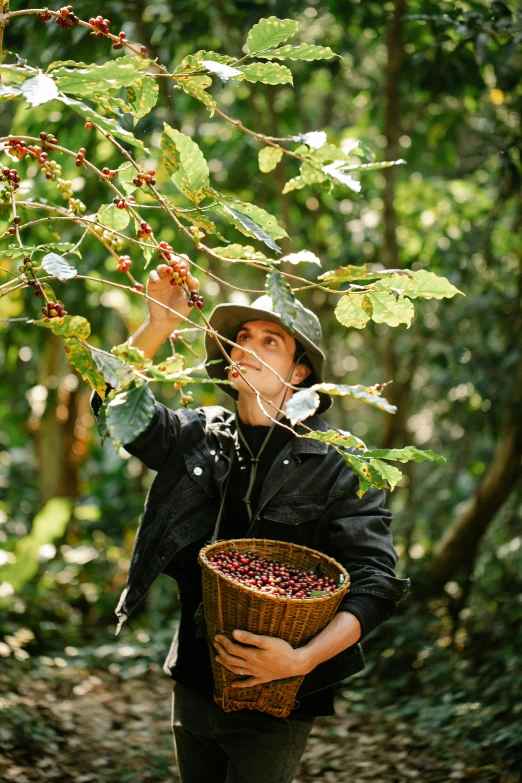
227, 319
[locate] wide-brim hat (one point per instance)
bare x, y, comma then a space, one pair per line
227, 319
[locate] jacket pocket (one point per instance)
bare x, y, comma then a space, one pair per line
295, 510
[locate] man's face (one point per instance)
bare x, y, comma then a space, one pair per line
275, 346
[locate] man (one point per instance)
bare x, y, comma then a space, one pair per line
255, 479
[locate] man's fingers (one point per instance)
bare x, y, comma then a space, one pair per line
256, 640
247, 683
192, 282
154, 276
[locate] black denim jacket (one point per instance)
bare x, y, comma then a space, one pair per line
308, 497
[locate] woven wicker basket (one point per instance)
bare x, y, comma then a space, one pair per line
229, 605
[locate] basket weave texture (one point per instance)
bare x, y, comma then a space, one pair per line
229, 605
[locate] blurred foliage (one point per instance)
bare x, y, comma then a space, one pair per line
447, 663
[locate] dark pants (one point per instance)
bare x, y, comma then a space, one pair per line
213, 746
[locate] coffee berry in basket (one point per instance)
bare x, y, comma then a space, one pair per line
271, 576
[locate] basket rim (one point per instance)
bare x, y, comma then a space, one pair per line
202, 557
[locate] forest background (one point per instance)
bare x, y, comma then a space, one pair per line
437, 84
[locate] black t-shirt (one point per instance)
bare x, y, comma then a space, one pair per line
193, 667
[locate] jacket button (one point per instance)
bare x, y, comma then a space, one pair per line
212, 453
197, 471
286, 462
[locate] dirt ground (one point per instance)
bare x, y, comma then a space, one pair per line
85, 727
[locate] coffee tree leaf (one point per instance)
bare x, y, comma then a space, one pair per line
129, 354
301, 405
167, 370
125, 174
349, 311
302, 52
366, 394
82, 360
351, 273
129, 413
246, 226
185, 163
270, 32
58, 267
268, 158
110, 216
142, 96
335, 171
13, 73
385, 307
310, 174
39, 89
296, 183
112, 369
246, 252
267, 73
283, 299
84, 80
407, 454
196, 86
9, 92
339, 438
389, 473
421, 284
106, 123
260, 216
69, 326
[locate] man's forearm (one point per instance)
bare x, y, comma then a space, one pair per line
342, 632
151, 336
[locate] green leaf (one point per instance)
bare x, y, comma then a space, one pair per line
82, 360
241, 251
109, 104
302, 52
143, 96
185, 163
296, 183
167, 370
9, 92
39, 89
260, 216
268, 158
335, 171
301, 405
57, 265
129, 413
364, 393
14, 73
385, 307
267, 73
342, 439
48, 526
389, 473
407, 454
110, 216
310, 174
351, 273
15, 252
84, 80
113, 370
246, 225
129, 354
196, 86
349, 311
422, 284
283, 299
106, 123
125, 174
270, 32
68, 326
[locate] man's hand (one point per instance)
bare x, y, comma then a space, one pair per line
174, 296
266, 659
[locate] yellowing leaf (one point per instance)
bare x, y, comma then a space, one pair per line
185, 163
267, 73
268, 158
270, 32
350, 312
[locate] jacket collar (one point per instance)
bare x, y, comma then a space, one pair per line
223, 427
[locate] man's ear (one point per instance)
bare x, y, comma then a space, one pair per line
301, 371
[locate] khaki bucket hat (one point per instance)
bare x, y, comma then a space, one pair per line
227, 319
